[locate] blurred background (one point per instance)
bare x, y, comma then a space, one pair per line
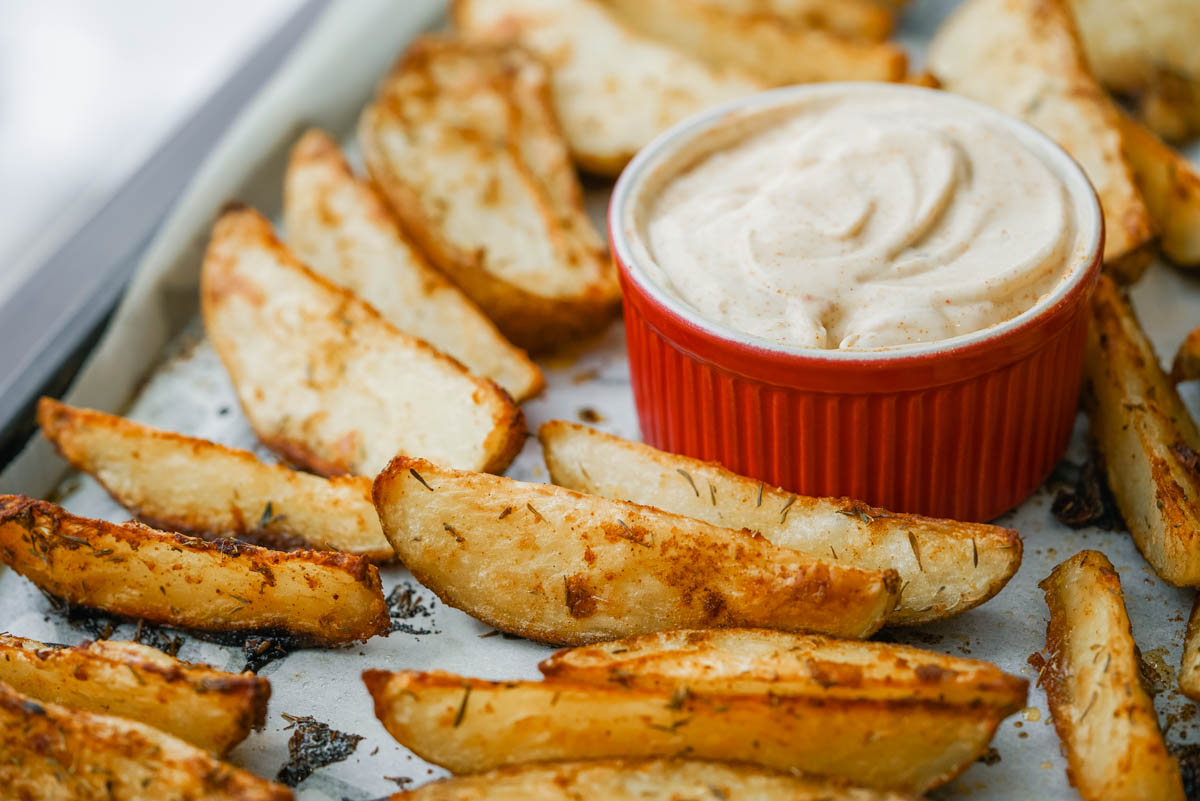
89, 89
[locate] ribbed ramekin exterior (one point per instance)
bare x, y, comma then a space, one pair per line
968, 449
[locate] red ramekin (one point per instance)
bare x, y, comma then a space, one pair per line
965, 428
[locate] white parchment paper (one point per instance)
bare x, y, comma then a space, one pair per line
188, 391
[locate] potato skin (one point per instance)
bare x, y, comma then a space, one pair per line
321, 597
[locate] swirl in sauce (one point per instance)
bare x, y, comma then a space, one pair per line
865, 221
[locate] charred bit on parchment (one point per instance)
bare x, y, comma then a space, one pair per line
404, 603
313, 745
1089, 502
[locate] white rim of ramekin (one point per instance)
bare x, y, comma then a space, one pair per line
632, 253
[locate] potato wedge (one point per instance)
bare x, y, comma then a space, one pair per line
469, 725
1024, 57
639, 780
1170, 185
463, 143
554, 565
748, 661
1146, 50
54, 753
1148, 439
851, 19
135, 571
227, 493
341, 228
208, 708
1186, 364
770, 47
1105, 719
945, 567
326, 382
1189, 671
610, 107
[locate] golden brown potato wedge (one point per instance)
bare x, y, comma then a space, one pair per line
1105, 719
748, 661
554, 565
325, 381
1186, 365
945, 567
1170, 185
1146, 50
1189, 671
340, 227
1024, 57
198, 487
135, 571
463, 143
639, 780
53, 753
208, 708
614, 89
468, 725
851, 19
1147, 438
778, 51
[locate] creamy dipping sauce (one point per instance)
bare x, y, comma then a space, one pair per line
865, 220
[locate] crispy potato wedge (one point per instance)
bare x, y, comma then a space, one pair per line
325, 381
132, 570
851, 19
227, 492
1170, 185
53, 753
639, 780
557, 566
1147, 51
469, 725
945, 567
1024, 57
748, 661
610, 107
1105, 719
1189, 671
1148, 439
343, 229
208, 708
1186, 365
778, 51
464, 144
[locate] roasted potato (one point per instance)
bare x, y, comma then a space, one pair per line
1186, 364
342, 229
945, 567
1146, 50
208, 708
1189, 671
1170, 185
464, 144
554, 565
54, 753
851, 19
639, 780
1105, 719
613, 88
468, 725
325, 381
778, 51
747, 661
1024, 57
226, 493
1148, 439
135, 571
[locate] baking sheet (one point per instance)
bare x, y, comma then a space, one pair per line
189, 392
